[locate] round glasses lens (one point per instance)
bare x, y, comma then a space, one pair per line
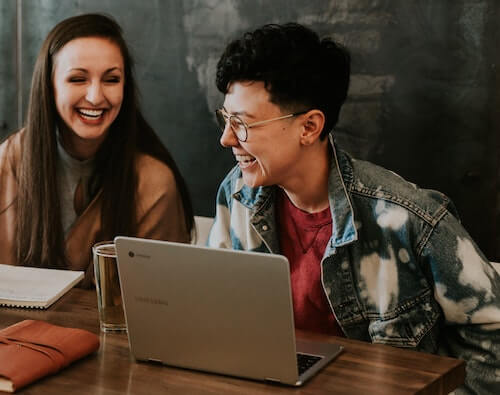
238, 128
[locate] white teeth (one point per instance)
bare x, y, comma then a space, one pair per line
90, 113
244, 158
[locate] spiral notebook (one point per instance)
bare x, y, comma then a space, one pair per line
33, 287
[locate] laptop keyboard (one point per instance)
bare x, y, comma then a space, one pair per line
305, 361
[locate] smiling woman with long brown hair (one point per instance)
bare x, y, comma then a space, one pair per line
86, 166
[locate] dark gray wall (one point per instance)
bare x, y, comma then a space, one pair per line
8, 103
423, 99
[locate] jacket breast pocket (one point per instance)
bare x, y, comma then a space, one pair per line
413, 324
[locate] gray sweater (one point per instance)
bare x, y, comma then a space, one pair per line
70, 172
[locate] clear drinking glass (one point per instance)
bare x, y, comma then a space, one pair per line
109, 297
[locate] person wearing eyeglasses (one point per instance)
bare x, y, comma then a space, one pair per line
372, 256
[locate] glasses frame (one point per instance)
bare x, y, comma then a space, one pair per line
228, 117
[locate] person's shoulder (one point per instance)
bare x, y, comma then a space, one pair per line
10, 147
13, 138
153, 174
372, 181
10, 152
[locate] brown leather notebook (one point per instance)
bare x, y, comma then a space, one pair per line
33, 349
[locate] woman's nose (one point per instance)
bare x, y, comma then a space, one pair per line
95, 94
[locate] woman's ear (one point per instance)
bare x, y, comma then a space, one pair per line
312, 126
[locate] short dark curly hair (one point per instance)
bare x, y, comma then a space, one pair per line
299, 70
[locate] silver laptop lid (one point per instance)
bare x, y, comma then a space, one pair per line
215, 310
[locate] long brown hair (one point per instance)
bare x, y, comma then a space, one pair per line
39, 233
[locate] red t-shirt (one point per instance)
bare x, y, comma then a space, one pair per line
303, 240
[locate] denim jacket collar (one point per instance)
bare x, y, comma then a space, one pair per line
261, 199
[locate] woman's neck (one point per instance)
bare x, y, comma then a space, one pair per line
77, 147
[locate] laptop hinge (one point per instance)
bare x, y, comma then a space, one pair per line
155, 360
272, 380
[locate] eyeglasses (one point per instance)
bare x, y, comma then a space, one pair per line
239, 127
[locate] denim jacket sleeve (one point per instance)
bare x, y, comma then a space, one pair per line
467, 288
219, 236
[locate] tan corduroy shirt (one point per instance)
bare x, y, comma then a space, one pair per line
159, 210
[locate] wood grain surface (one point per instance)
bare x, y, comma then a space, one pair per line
361, 369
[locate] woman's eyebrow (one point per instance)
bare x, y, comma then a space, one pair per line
114, 69
86, 71
78, 69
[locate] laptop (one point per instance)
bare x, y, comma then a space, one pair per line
215, 310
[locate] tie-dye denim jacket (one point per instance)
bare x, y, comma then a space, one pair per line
399, 268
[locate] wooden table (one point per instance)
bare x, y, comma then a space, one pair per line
362, 368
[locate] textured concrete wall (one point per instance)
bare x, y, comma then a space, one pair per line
8, 102
423, 99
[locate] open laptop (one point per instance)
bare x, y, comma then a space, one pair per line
215, 310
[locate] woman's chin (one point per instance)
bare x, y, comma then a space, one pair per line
91, 134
